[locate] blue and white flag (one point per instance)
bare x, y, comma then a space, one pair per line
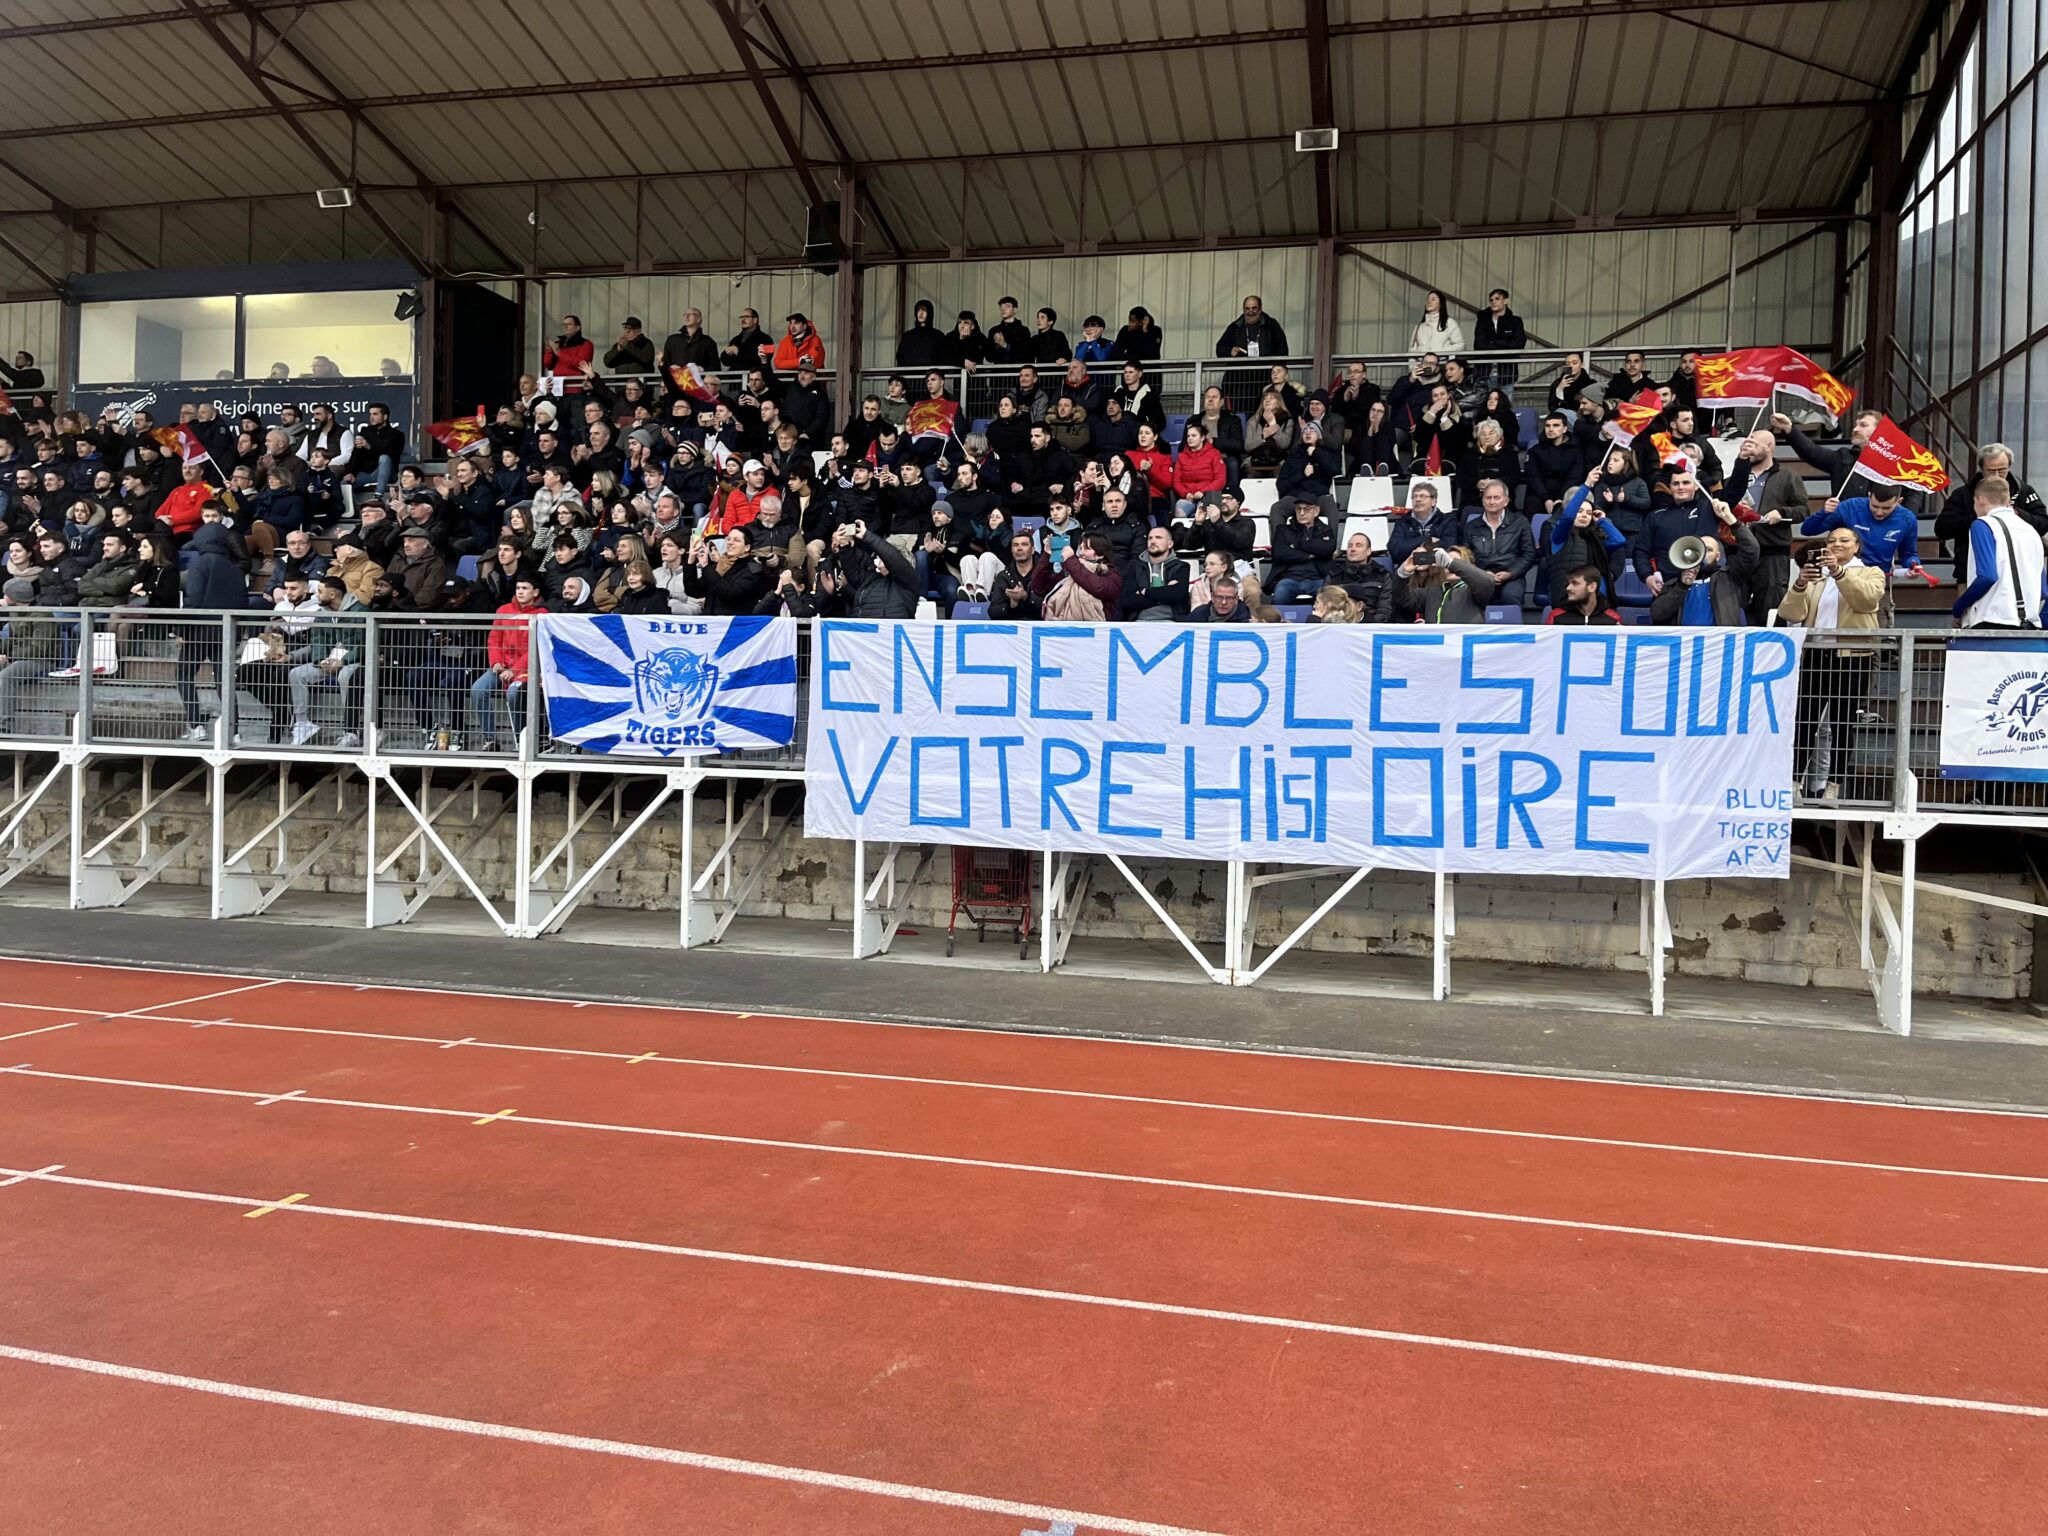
638, 686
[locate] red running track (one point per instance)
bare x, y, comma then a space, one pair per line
740, 1274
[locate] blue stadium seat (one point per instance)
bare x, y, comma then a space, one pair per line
1532, 427
1503, 613
467, 567
1294, 613
966, 610
1635, 615
979, 424
1174, 427
1630, 590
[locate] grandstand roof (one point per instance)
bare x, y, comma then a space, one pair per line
609, 135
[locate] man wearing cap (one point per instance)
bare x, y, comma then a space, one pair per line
743, 502
1009, 339
806, 404
799, 344
353, 567
633, 352
419, 567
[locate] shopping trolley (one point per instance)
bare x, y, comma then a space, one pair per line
991, 889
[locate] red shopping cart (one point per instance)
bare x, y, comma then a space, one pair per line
992, 890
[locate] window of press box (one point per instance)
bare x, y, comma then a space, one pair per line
130, 341
325, 335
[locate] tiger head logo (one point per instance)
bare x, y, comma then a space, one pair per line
675, 683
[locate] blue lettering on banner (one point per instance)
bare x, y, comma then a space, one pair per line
1603, 753
1041, 674
964, 669
1110, 788
830, 666
919, 816
1219, 678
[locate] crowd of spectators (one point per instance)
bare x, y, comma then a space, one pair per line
696, 476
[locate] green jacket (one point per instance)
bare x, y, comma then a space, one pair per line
29, 639
342, 627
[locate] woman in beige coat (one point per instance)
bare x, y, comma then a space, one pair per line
1835, 594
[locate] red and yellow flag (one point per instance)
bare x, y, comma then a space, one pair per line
690, 379
460, 433
182, 441
932, 419
1800, 375
1633, 417
1892, 458
1748, 376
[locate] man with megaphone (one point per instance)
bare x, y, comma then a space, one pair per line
1709, 584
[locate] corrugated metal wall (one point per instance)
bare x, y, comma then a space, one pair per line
1573, 290
659, 302
31, 327
1192, 294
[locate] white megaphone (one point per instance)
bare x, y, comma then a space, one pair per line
1688, 552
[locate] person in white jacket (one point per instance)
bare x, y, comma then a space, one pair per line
1438, 330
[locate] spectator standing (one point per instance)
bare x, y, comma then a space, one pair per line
1714, 593
750, 347
1994, 461
1437, 331
1140, 341
688, 345
966, 347
633, 352
1009, 339
2009, 582
1556, 465
1500, 329
567, 354
799, 345
1049, 343
1253, 334
498, 693
1094, 346
1834, 592
1690, 511
1768, 496
924, 344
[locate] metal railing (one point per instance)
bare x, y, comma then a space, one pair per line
1181, 382
1866, 740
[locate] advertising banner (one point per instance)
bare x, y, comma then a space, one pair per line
1994, 708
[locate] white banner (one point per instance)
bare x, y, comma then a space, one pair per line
639, 686
1637, 753
1994, 707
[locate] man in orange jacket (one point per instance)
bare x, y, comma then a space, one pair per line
799, 345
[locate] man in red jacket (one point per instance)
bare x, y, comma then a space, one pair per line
567, 355
508, 649
799, 345
180, 510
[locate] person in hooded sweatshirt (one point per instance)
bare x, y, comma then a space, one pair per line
213, 580
924, 344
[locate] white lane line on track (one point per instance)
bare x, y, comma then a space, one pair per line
130, 1013
1047, 1170
1212, 1047
1379, 1121
1086, 1299
519, 1434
